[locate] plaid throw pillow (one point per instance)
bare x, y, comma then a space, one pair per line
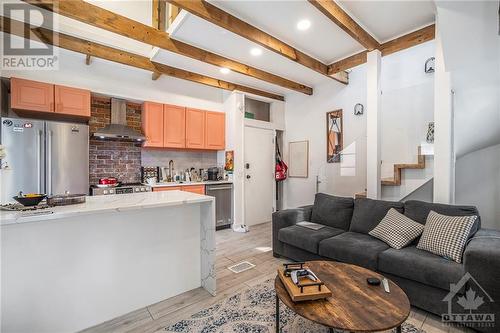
446, 236
397, 230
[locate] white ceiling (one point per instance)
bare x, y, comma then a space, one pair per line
323, 41
386, 20
198, 32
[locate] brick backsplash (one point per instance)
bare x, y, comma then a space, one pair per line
113, 158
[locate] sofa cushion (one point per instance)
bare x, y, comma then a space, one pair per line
397, 230
368, 213
353, 248
446, 235
305, 238
419, 210
332, 211
421, 266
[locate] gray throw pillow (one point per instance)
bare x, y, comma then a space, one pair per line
368, 213
332, 211
445, 235
419, 211
397, 230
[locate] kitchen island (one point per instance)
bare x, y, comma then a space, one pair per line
68, 268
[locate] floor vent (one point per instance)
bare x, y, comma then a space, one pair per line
241, 267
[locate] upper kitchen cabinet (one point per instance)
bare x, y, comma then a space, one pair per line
174, 126
72, 101
195, 129
31, 95
152, 124
215, 134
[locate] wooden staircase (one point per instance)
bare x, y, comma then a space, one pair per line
396, 180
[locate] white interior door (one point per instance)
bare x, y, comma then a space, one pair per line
259, 175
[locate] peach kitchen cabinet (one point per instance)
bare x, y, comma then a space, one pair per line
195, 129
199, 189
152, 124
215, 134
31, 95
174, 126
72, 101
166, 188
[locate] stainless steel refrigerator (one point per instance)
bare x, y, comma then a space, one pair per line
43, 157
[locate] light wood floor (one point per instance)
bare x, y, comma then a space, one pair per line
254, 246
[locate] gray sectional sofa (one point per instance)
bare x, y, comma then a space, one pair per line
426, 278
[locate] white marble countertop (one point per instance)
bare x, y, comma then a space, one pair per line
210, 182
106, 203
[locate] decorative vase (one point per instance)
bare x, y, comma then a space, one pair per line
430, 133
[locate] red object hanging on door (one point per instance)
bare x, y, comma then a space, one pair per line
281, 167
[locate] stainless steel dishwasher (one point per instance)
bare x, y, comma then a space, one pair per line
223, 194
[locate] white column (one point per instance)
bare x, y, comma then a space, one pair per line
373, 110
444, 159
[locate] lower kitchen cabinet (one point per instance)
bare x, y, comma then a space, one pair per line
199, 189
167, 188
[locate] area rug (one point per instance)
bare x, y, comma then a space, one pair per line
252, 311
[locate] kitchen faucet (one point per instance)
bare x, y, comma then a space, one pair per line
171, 170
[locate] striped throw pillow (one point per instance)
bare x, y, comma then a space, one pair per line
445, 235
397, 230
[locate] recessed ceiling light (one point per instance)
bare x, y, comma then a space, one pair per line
256, 51
303, 25
224, 70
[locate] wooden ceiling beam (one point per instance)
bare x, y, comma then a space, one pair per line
89, 48
158, 21
413, 38
217, 16
99, 17
336, 14
401, 43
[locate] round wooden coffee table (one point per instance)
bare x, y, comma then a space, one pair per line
355, 306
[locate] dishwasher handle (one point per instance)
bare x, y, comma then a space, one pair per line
219, 188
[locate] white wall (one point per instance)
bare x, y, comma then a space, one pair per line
407, 105
478, 183
306, 120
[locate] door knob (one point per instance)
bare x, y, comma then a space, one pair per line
248, 177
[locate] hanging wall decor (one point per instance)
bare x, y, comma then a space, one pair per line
334, 136
430, 133
358, 109
429, 65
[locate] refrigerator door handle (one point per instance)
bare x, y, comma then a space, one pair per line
39, 160
49, 163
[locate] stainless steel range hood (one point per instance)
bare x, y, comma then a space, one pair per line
118, 128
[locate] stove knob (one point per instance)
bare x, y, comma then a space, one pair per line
105, 192
137, 189
143, 189
111, 191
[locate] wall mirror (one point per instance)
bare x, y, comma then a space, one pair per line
334, 136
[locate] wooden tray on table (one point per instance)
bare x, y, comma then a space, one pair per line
306, 290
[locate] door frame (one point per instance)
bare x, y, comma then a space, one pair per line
264, 127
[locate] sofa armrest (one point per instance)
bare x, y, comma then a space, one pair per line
286, 218
482, 261
307, 212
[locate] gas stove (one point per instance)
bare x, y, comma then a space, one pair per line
120, 189
17, 207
